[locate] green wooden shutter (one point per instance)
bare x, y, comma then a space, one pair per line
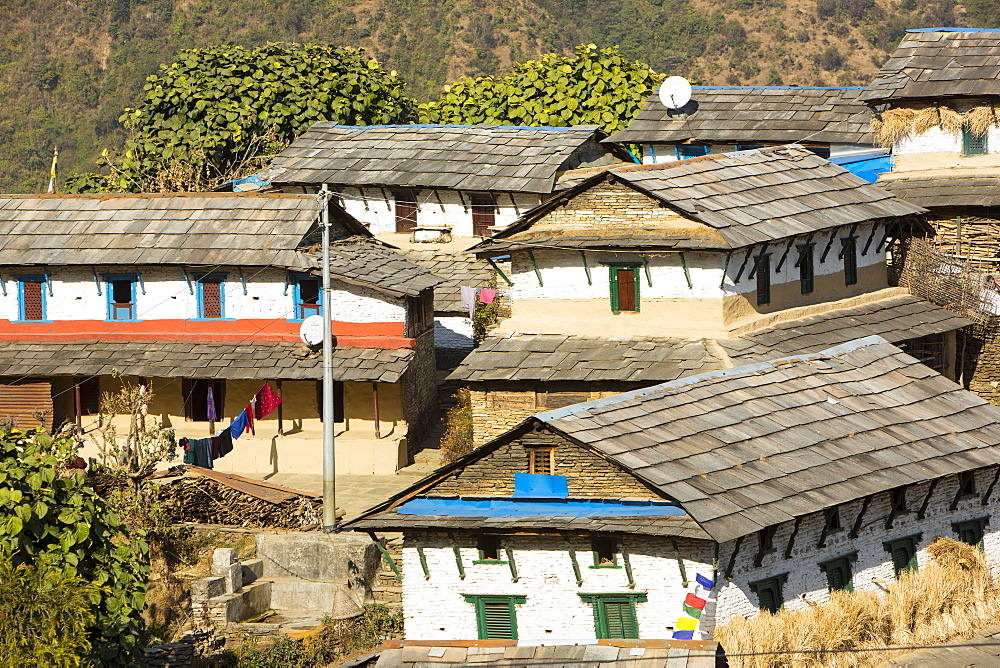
498, 619
767, 600
614, 288
619, 620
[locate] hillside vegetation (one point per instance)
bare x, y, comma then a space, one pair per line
68, 69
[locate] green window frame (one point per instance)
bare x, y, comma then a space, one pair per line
605, 551
614, 614
971, 531
495, 615
903, 552
770, 592
620, 298
849, 251
807, 268
973, 145
839, 573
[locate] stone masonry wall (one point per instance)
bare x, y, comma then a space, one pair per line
980, 350
435, 608
587, 474
420, 397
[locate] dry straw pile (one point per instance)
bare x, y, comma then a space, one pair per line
950, 598
893, 124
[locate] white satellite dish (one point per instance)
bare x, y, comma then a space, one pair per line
675, 92
311, 330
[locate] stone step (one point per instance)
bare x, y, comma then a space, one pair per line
316, 556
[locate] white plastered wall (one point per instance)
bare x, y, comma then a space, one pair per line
553, 611
873, 568
375, 208
168, 295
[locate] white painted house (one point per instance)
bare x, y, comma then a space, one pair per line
646, 274
183, 293
751, 487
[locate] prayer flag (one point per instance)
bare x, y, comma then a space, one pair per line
683, 635
687, 624
265, 401
694, 612
704, 582
695, 602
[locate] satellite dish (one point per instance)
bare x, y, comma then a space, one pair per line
311, 330
675, 92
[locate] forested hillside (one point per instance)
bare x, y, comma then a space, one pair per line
68, 69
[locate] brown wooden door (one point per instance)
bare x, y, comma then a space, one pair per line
406, 210
626, 289
483, 215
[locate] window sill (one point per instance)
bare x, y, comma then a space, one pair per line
121, 320
211, 319
488, 562
625, 312
29, 322
601, 568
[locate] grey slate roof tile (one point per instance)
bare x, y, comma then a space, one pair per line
722, 191
939, 189
939, 63
259, 361
478, 157
748, 114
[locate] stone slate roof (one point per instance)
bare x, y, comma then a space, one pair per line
550, 357
750, 447
681, 526
555, 357
748, 197
953, 187
463, 157
369, 261
750, 114
238, 360
650, 654
454, 270
234, 229
895, 319
939, 62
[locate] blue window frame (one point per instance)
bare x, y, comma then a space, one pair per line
685, 151
212, 297
308, 296
32, 298
120, 291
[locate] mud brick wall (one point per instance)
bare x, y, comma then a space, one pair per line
587, 474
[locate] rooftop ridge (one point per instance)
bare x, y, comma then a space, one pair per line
850, 346
480, 126
185, 194
947, 29
793, 87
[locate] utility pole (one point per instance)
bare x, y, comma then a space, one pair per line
329, 459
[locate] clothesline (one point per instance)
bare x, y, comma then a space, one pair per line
469, 296
204, 451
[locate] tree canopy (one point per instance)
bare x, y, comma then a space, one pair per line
214, 112
50, 519
593, 87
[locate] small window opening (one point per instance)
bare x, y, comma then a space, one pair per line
967, 484
850, 252
973, 145
624, 289
971, 531
406, 210
122, 299
605, 552
833, 519
490, 548
838, 571
899, 500
484, 209
763, 279
542, 461
903, 552
769, 592
806, 269
308, 297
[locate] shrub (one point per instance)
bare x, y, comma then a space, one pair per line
457, 439
48, 515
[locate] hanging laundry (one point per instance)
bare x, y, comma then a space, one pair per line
468, 300
188, 450
238, 426
216, 450
225, 442
202, 448
249, 413
265, 401
210, 411
487, 295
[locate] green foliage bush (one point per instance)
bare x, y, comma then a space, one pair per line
594, 87
214, 111
50, 518
45, 615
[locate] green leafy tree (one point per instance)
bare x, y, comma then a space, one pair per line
593, 87
218, 113
48, 515
44, 615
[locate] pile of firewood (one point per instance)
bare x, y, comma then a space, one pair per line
205, 501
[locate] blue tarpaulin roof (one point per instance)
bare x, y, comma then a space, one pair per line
867, 166
546, 507
533, 485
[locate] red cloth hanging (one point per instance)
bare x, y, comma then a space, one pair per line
249, 412
265, 401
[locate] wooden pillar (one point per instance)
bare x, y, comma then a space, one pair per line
77, 404
281, 412
375, 401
